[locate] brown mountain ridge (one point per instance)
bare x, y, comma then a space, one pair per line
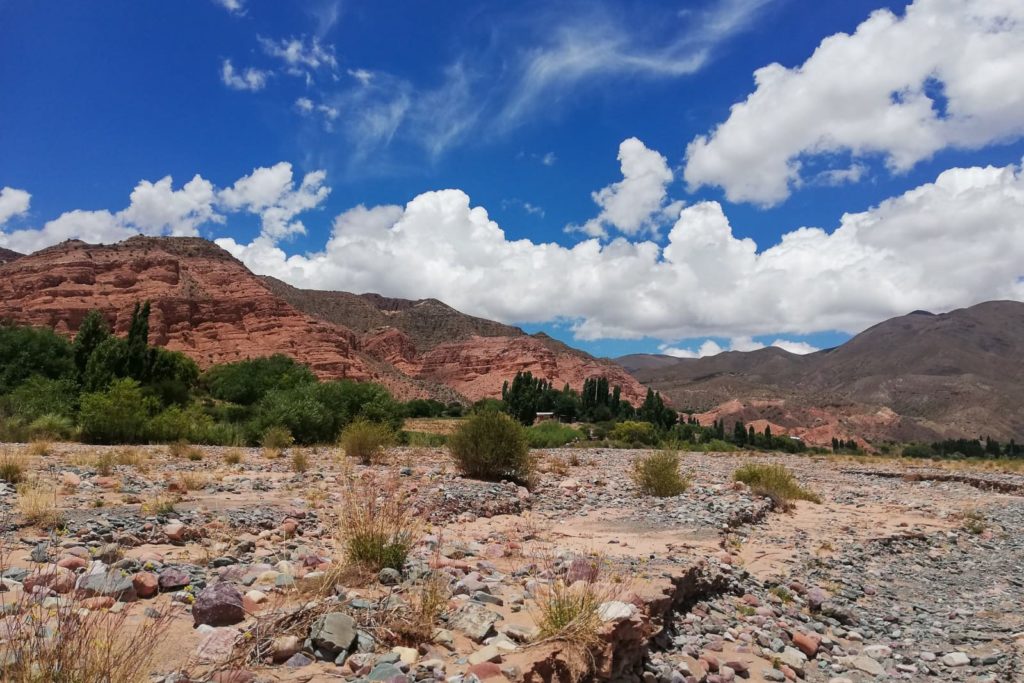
918, 376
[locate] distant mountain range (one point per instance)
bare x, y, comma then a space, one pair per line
918, 376
209, 305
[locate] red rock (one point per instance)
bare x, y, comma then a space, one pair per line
807, 643
98, 602
107, 482
175, 532
57, 579
486, 671
787, 672
289, 527
146, 584
72, 562
710, 661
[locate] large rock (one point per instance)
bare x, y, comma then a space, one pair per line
333, 633
218, 605
111, 584
474, 621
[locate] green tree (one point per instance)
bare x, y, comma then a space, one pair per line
91, 333
246, 382
27, 351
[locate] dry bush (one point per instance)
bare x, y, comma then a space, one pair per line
233, 457
40, 448
12, 467
159, 504
70, 644
365, 440
192, 481
277, 439
300, 461
571, 614
775, 482
658, 475
131, 457
426, 601
104, 463
377, 523
973, 521
558, 466
37, 505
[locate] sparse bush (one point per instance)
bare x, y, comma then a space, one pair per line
233, 457
365, 440
192, 481
300, 461
775, 482
12, 467
418, 623
634, 433
491, 446
974, 521
104, 463
38, 505
551, 435
658, 475
130, 457
378, 524
277, 438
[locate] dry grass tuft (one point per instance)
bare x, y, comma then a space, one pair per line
12, 467
377, 523
775, 482
192, 481
300, 461
38, 506
104, 463
426, 601
233, 457
159, 504
40, 448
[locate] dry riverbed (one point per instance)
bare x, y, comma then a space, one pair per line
901, 573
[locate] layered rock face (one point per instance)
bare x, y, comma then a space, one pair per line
208, 305
204, 302
478, 366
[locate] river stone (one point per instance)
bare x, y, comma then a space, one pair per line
333, 633
218, 605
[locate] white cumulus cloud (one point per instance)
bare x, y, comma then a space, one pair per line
945, 74
637, 203
950, 243
13, 202
712, 348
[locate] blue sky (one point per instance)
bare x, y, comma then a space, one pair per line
522, 107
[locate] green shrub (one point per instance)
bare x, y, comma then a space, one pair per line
658, 475
118, 415
491, 446
629, 432
27, 351
248, 381
918, 450
775, 482
52, 427
365, 440
551, 435
180, 424
277, 438
39, 396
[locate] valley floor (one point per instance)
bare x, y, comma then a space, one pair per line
902, 572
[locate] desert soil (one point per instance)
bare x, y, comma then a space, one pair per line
902, 572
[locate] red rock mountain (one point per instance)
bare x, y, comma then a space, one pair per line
208, 305
919, 376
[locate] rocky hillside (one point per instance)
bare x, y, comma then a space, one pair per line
6, 255
208, 305
917, 376
426, 322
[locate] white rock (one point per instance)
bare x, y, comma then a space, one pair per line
616, 611
956, 659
